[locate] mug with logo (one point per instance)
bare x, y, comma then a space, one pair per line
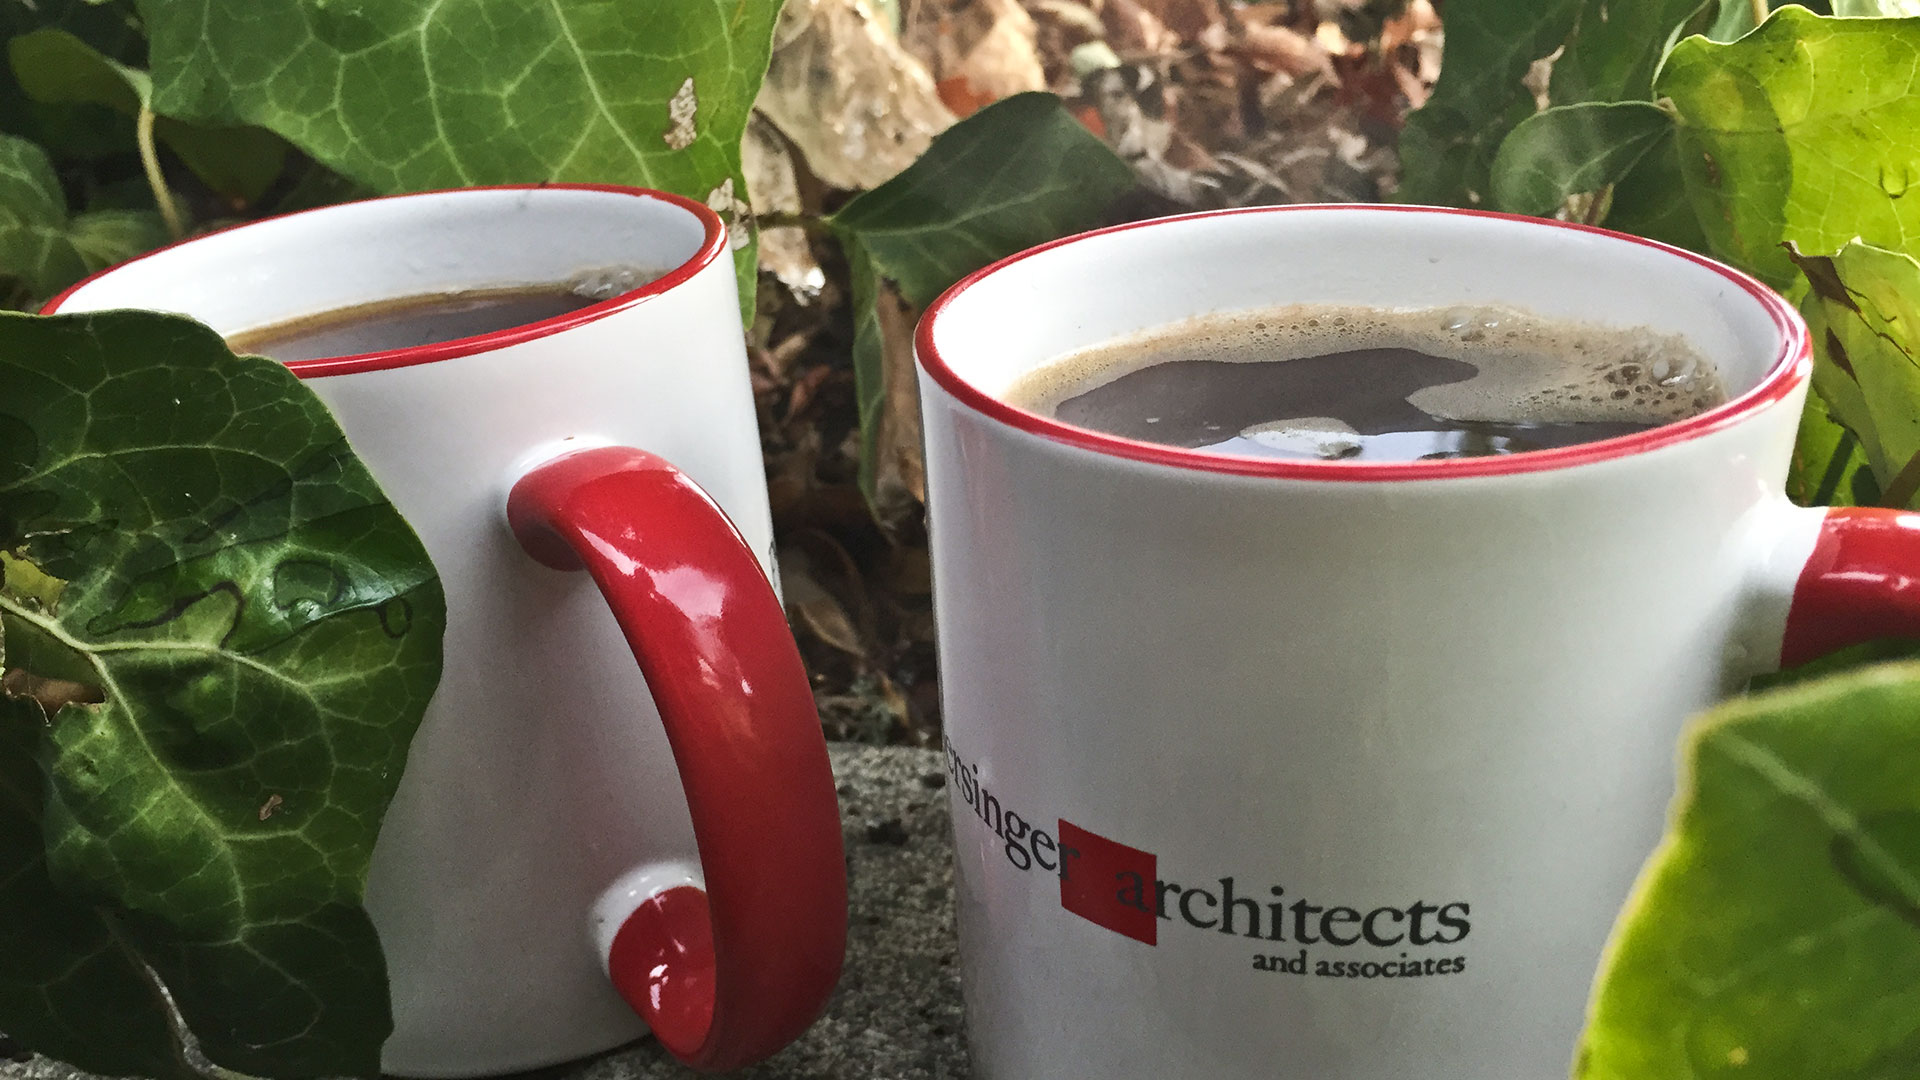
581, 848
1300, 769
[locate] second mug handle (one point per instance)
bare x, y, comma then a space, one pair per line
725, 977
1860, 582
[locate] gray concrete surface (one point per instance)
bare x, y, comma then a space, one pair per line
896, 1014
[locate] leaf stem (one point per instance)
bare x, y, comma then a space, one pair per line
814, 224
1759, 12
176, 1023
150, 160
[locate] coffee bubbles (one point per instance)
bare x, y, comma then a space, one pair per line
607, 282
1340, 382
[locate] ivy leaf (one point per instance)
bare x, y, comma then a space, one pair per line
112, 26
1571, 149
406, 95
72, 132
1651, 199
1863, 309
255, 633
63, 960
1448, 144
1615, 49
1870, 8
1017, 173
1829, 468
1805, 131
56, 67
40, 246
1773, 934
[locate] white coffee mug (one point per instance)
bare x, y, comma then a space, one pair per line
1304, 770
563, 817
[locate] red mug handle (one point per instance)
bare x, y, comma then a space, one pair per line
1861, 582
727, 976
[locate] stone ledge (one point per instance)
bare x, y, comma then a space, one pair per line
896, 1014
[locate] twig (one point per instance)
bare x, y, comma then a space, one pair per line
1759, 12
150, 160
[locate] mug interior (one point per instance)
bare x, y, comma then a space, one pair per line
274, 271
1004, 322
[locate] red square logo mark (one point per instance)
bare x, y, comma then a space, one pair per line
1108, 883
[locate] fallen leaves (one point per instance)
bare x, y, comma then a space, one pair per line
857, 104
1210, 102
978, 51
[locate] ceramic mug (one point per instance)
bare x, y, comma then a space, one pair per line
1333, 770
572, 829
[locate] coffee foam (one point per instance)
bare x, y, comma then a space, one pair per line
1530, 369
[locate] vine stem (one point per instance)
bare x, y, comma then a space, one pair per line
777, 219
150, 160
1759, 12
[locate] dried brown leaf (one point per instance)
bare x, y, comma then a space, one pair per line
1187, 18
784, 250
1133, 112
804, 388
1072, 15
900, 470
814, 608
979, 51
859, 106
53, 694
1279, 48
1133, 31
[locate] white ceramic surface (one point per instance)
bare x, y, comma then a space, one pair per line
1452, 694
540, 788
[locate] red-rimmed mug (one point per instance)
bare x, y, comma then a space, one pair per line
572, 829
1282, 770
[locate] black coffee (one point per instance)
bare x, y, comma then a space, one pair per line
411, 321
1337, 382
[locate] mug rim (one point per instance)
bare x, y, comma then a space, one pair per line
713, 243
1788, 371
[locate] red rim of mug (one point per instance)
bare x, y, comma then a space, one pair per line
711, 247
1789, 370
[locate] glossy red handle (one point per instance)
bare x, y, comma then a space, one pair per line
727, 977
1861, 582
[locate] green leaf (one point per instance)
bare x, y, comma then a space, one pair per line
112, 26
1863, 309
54, 66
405, 95
1806, 131
1448, 144
39, 245
1775, 935
1615, 49
64, 962
1017, 173
1571, 149
260, 633
72, 132
1651, 199
1829, 467
1877, 651
1871, 8
1014, 174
